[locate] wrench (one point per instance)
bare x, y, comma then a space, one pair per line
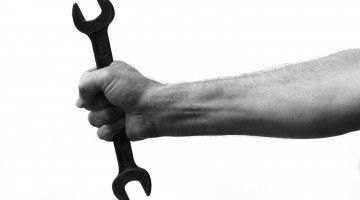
96, 30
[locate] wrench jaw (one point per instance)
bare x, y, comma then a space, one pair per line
134, 174
103, 4
77, 14
101, 22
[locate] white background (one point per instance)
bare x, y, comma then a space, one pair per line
49, 151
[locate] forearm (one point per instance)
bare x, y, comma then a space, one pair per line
318, 98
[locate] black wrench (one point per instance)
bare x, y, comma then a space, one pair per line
97, 31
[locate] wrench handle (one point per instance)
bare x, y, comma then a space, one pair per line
101, 47
123, 151
103, 56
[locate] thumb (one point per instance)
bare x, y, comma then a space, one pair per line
92, 83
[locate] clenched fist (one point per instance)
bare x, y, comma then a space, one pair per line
114, 96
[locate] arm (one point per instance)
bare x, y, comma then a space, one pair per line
318, 98
314, 99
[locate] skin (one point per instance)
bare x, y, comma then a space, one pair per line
313, 99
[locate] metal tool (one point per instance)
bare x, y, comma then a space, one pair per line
97, 31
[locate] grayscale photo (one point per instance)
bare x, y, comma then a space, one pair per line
181, 100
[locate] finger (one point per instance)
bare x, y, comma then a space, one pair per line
79, 103
105, 116
108, 131
91, 84
99, 103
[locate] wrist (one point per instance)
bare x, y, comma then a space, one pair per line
166, 106
196, 108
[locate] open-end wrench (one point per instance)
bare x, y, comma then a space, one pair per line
97, 31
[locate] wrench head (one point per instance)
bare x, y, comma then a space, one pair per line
133, 174
101, 22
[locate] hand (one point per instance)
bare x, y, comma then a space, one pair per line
113, 95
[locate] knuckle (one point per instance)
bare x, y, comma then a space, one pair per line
82, 86
118, 63
107, 72
122, 66
106, 75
